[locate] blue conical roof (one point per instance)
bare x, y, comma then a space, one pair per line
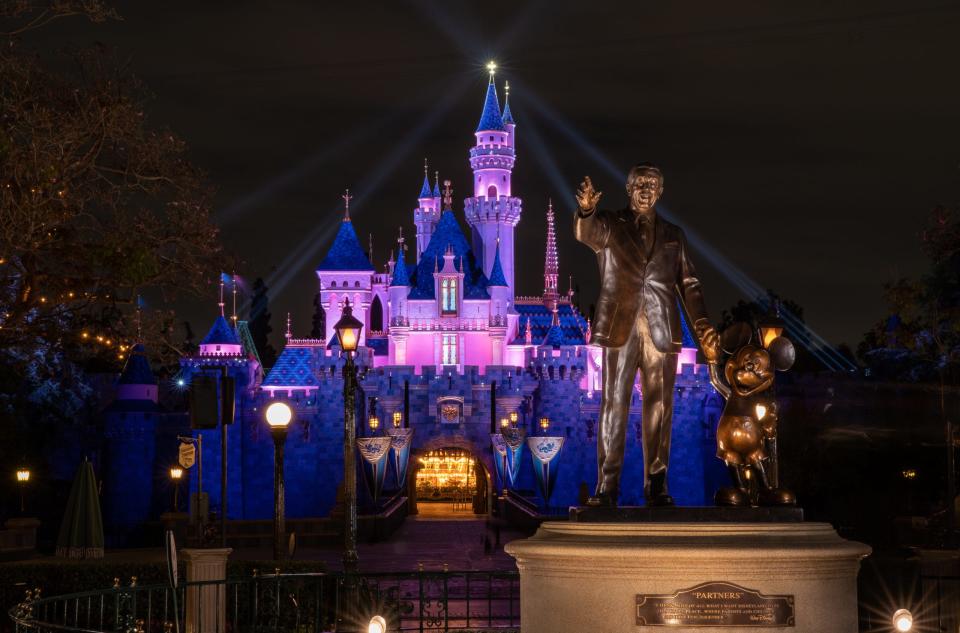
554, 336
448, 234
346, 253
436, 189
507, 114
491, 118
497, 278
221, 334
425, 191
400, 275
137, 369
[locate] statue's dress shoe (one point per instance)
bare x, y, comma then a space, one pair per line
777, 497
602, 500
659, 500
731, 497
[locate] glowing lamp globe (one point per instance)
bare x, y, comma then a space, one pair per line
903, 620
397, 419
504, 423
544, 423
513, 417
374, 422
176, 473
23, 475
279, 415
348, 329
377, 625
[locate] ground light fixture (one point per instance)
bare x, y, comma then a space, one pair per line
902, 620
377, 625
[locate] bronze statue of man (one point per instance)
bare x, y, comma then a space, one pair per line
644, 268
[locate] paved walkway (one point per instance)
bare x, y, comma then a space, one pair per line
422, 539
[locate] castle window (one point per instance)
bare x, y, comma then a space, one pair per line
491, 139
449, 349
333, 284
448, 297
356, 284
492, 192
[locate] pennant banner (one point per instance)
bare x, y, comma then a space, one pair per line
500, 459
514, 441
545, 451
400, 441
374, 451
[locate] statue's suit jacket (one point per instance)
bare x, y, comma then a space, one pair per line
630, 281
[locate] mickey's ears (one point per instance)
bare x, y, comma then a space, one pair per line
782, 353
735, 336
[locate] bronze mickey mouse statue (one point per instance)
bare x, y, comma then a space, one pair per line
748, 423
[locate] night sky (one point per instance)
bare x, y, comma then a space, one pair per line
806, 144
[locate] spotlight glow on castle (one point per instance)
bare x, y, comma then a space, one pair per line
448, 346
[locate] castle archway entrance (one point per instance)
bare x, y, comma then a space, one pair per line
450, 482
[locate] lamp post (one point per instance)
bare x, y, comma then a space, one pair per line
397, 419
23, 477
348, 334
176, 474
278, 417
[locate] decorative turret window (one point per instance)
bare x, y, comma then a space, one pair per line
449, 349
448, 297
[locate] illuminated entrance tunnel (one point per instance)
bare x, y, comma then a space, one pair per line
450, 481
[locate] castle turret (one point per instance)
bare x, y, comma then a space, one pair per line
551, 265
346, 272
427, 213
492, 211
500, 299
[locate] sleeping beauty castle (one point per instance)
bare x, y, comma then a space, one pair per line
451, 358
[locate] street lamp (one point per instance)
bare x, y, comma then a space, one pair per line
348, 330
23, 477
504, 423
176, 474
513, 418
374, 423
544, 424
771, 326
397, 419
278, 417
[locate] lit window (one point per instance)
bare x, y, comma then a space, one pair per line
449, 349
448, 297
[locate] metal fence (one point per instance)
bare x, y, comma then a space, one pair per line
304, 603
940, 598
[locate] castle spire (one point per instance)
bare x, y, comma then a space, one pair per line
507, 114
221, 295
447, 196
346, 205
233, 317
490, 118
425, 191
289, 334
551, 267
436, 184
497, 278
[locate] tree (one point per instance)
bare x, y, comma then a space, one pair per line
97, 206
919, 337
259, 323
318, 327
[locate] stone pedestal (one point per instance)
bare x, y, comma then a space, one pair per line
206, 605
586, 576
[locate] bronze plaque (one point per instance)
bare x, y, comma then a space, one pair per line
715, 604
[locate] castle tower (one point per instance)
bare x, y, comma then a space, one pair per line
493, 212
499, 309
397, 293
551, 265
346, 273
427, 213
130, 427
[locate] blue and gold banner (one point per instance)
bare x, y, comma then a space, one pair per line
374, 451
500, 460
400, 441
545, 451
513, 438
